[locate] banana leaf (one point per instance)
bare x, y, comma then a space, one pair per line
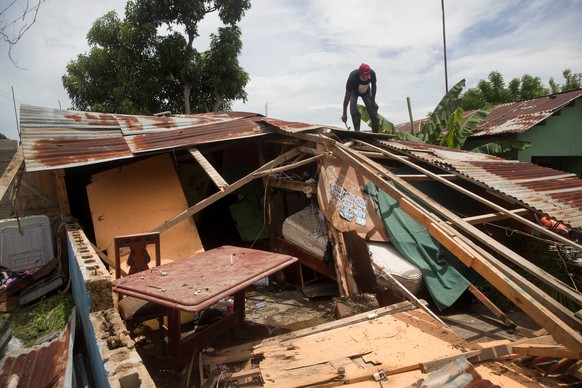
502, 146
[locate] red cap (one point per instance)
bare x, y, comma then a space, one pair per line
364, 71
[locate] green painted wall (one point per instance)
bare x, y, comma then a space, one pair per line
560, 137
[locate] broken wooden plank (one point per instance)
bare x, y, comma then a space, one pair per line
264, 170
304, 187
245, 351
411, 298
10, 173
494, 309
554, 351
421, 177
346, 282
507, 253
209, 169
490, 217
378, 173
482, 264
432, 365
62, 193
473, 356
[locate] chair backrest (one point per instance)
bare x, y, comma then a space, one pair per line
138, 258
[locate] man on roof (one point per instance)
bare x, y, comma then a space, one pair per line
361, 83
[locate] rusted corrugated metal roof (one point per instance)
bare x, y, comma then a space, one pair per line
514, 117
47, 365
288, 126
552, 192
518, 117
53, 138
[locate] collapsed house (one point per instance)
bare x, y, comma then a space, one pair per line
373, 214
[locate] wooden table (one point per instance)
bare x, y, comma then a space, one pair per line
196, 282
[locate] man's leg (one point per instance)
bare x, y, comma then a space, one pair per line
373, 112
354, 112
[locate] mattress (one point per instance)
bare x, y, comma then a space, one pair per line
385, 258
306, 229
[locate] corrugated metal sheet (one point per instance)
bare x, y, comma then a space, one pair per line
54, 138
518, 117
514, 117
545, 190
48, 365
288, 126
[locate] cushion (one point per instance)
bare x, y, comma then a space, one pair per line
135, 308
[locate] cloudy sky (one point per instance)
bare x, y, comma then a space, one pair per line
298, 53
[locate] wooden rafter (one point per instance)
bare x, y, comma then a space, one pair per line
11, 171
468, 253
489, 241
490, 217
267, 169
209, 169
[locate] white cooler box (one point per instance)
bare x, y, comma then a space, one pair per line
307, 230
386, 258
32, 248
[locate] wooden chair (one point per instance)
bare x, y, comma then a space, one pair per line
135, 311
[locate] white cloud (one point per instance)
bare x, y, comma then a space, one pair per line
299, 53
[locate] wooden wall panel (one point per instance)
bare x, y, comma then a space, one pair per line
137, 198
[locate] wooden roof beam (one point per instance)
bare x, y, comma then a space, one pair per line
473, 257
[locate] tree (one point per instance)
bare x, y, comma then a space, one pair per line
487, 93
493, 92
14, 26
529, 87
573, 82
133, 68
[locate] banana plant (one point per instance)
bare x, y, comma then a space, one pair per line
445, 126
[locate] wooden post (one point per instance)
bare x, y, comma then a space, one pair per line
62, 193
345, 278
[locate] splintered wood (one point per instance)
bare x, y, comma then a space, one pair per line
404, 344
389, 342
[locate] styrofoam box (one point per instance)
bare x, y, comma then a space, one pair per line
31, 248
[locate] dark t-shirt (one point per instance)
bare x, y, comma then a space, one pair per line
356, 85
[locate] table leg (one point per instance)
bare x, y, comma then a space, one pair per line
174, 333
239, 306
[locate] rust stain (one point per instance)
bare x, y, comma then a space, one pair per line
44, 365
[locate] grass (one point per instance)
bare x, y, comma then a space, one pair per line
47, 316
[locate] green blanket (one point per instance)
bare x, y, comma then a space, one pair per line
443, 281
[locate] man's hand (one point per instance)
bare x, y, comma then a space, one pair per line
375, 105
344, 118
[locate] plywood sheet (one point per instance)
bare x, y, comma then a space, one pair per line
394, 341
137, 198
344, 203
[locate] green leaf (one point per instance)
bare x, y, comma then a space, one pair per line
385, 125
500, 147
476, 118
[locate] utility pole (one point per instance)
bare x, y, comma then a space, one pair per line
445, 48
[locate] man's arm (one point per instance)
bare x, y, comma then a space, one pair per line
373, 86
345, 107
